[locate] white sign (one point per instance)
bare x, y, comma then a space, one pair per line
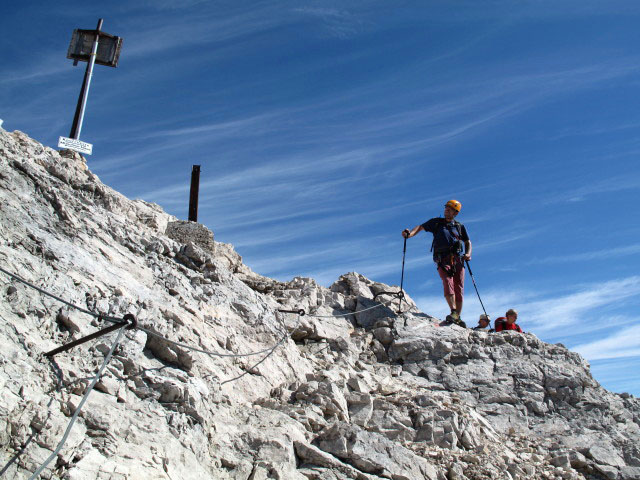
77, 145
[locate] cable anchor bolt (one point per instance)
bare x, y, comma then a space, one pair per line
300, 312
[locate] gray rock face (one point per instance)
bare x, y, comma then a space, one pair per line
189, 233
373, 453
347, 394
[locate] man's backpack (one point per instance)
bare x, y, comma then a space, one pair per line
500, 324
457, 250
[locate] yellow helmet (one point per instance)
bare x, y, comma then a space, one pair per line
455, 204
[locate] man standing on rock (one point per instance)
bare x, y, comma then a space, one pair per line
448, 238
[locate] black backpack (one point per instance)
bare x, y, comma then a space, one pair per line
457, 250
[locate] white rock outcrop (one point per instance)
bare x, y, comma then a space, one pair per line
344, 395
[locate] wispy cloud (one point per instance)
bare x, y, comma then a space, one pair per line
166, 4
625, 342
193, 29
608, 185
251, 126
549, 194
467, 10
334, 259
338, 22
595, 129
617, 374
504, 239
544, 312
43, 68
561, 312
605, 253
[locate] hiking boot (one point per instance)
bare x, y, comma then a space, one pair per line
451, 319
446, 322
455, 316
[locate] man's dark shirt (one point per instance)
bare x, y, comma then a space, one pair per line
445, 234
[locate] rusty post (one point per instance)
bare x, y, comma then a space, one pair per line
129, 322
193, 197
82, 340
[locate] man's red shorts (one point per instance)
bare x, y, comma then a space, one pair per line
453, 285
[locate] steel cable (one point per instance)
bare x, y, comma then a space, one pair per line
48, 294
259, 352
106, 360
33, 433
120, 320
384, 304
268, 351
172, 342
200, 350
271, 350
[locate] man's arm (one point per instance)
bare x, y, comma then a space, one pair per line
467, 250
413, 232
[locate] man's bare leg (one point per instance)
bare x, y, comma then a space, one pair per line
451, 300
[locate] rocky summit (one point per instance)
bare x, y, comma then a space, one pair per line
215, 382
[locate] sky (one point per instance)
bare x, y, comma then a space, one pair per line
325, 128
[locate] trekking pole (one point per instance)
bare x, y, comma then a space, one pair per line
404, 252
476, 287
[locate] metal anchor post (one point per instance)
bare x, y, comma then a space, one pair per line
130, 323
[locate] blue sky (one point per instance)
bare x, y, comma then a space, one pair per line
325, 128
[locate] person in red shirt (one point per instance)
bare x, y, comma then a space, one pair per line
508, 322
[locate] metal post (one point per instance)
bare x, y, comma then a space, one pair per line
129, 322
82, 340
84, 92
193, 197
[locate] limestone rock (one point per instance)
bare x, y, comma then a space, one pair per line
191, 233
339, 393
371, 452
